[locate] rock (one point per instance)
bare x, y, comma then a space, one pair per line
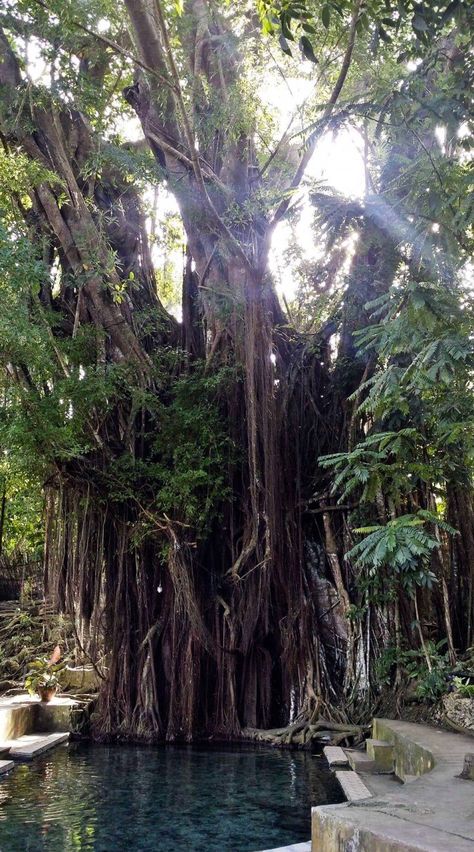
459, 711
468, 770
411, 694
80, 679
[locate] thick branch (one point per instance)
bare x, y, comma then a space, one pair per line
9, 69
309, 151
74, 228
117, 48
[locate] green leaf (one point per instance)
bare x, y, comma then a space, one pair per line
419, 23
284, 45
384, 35
307, 49
285, 22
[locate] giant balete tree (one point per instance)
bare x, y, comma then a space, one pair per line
190, 525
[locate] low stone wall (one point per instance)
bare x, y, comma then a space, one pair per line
411, 759
330, 833
54, 717
16, 720
26, 715
80, 679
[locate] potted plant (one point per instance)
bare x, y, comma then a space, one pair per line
42, 679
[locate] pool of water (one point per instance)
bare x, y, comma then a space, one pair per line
139, 799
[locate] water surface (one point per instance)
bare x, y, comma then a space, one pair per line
126, 798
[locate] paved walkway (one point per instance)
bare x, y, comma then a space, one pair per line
434, 812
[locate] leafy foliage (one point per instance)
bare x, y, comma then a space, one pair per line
404, 545
463, 687
186, 472
385, 21
43, 673
431, 681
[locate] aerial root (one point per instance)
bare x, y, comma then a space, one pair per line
302, 734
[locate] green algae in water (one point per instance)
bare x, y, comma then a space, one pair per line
114, 798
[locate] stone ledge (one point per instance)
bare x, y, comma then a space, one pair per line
295, 847
411, 755
335, 756
333, 834
23, 714
16, 718
352, 785
31, 746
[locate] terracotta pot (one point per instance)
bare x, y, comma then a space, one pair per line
46, 693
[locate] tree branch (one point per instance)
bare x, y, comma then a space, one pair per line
309, 151
115, 47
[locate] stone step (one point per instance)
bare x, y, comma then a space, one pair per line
352, 785
382, 753
5, 766
31, 745
359, 761
335, 756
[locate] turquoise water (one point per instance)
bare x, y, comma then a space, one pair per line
138, 799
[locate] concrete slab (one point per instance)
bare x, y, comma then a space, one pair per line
382, 753
335, 756
32, 745
25, 699
352, 785
5, 766
434, 813
381, 833
359, 761
296, 847
412, 751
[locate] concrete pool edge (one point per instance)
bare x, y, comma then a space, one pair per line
432, 811
25, 714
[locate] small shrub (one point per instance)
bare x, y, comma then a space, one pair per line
463, 687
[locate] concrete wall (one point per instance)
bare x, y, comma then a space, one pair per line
30, 716
16, 721
331, 833
411, 759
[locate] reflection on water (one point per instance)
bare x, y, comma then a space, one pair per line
115, 798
